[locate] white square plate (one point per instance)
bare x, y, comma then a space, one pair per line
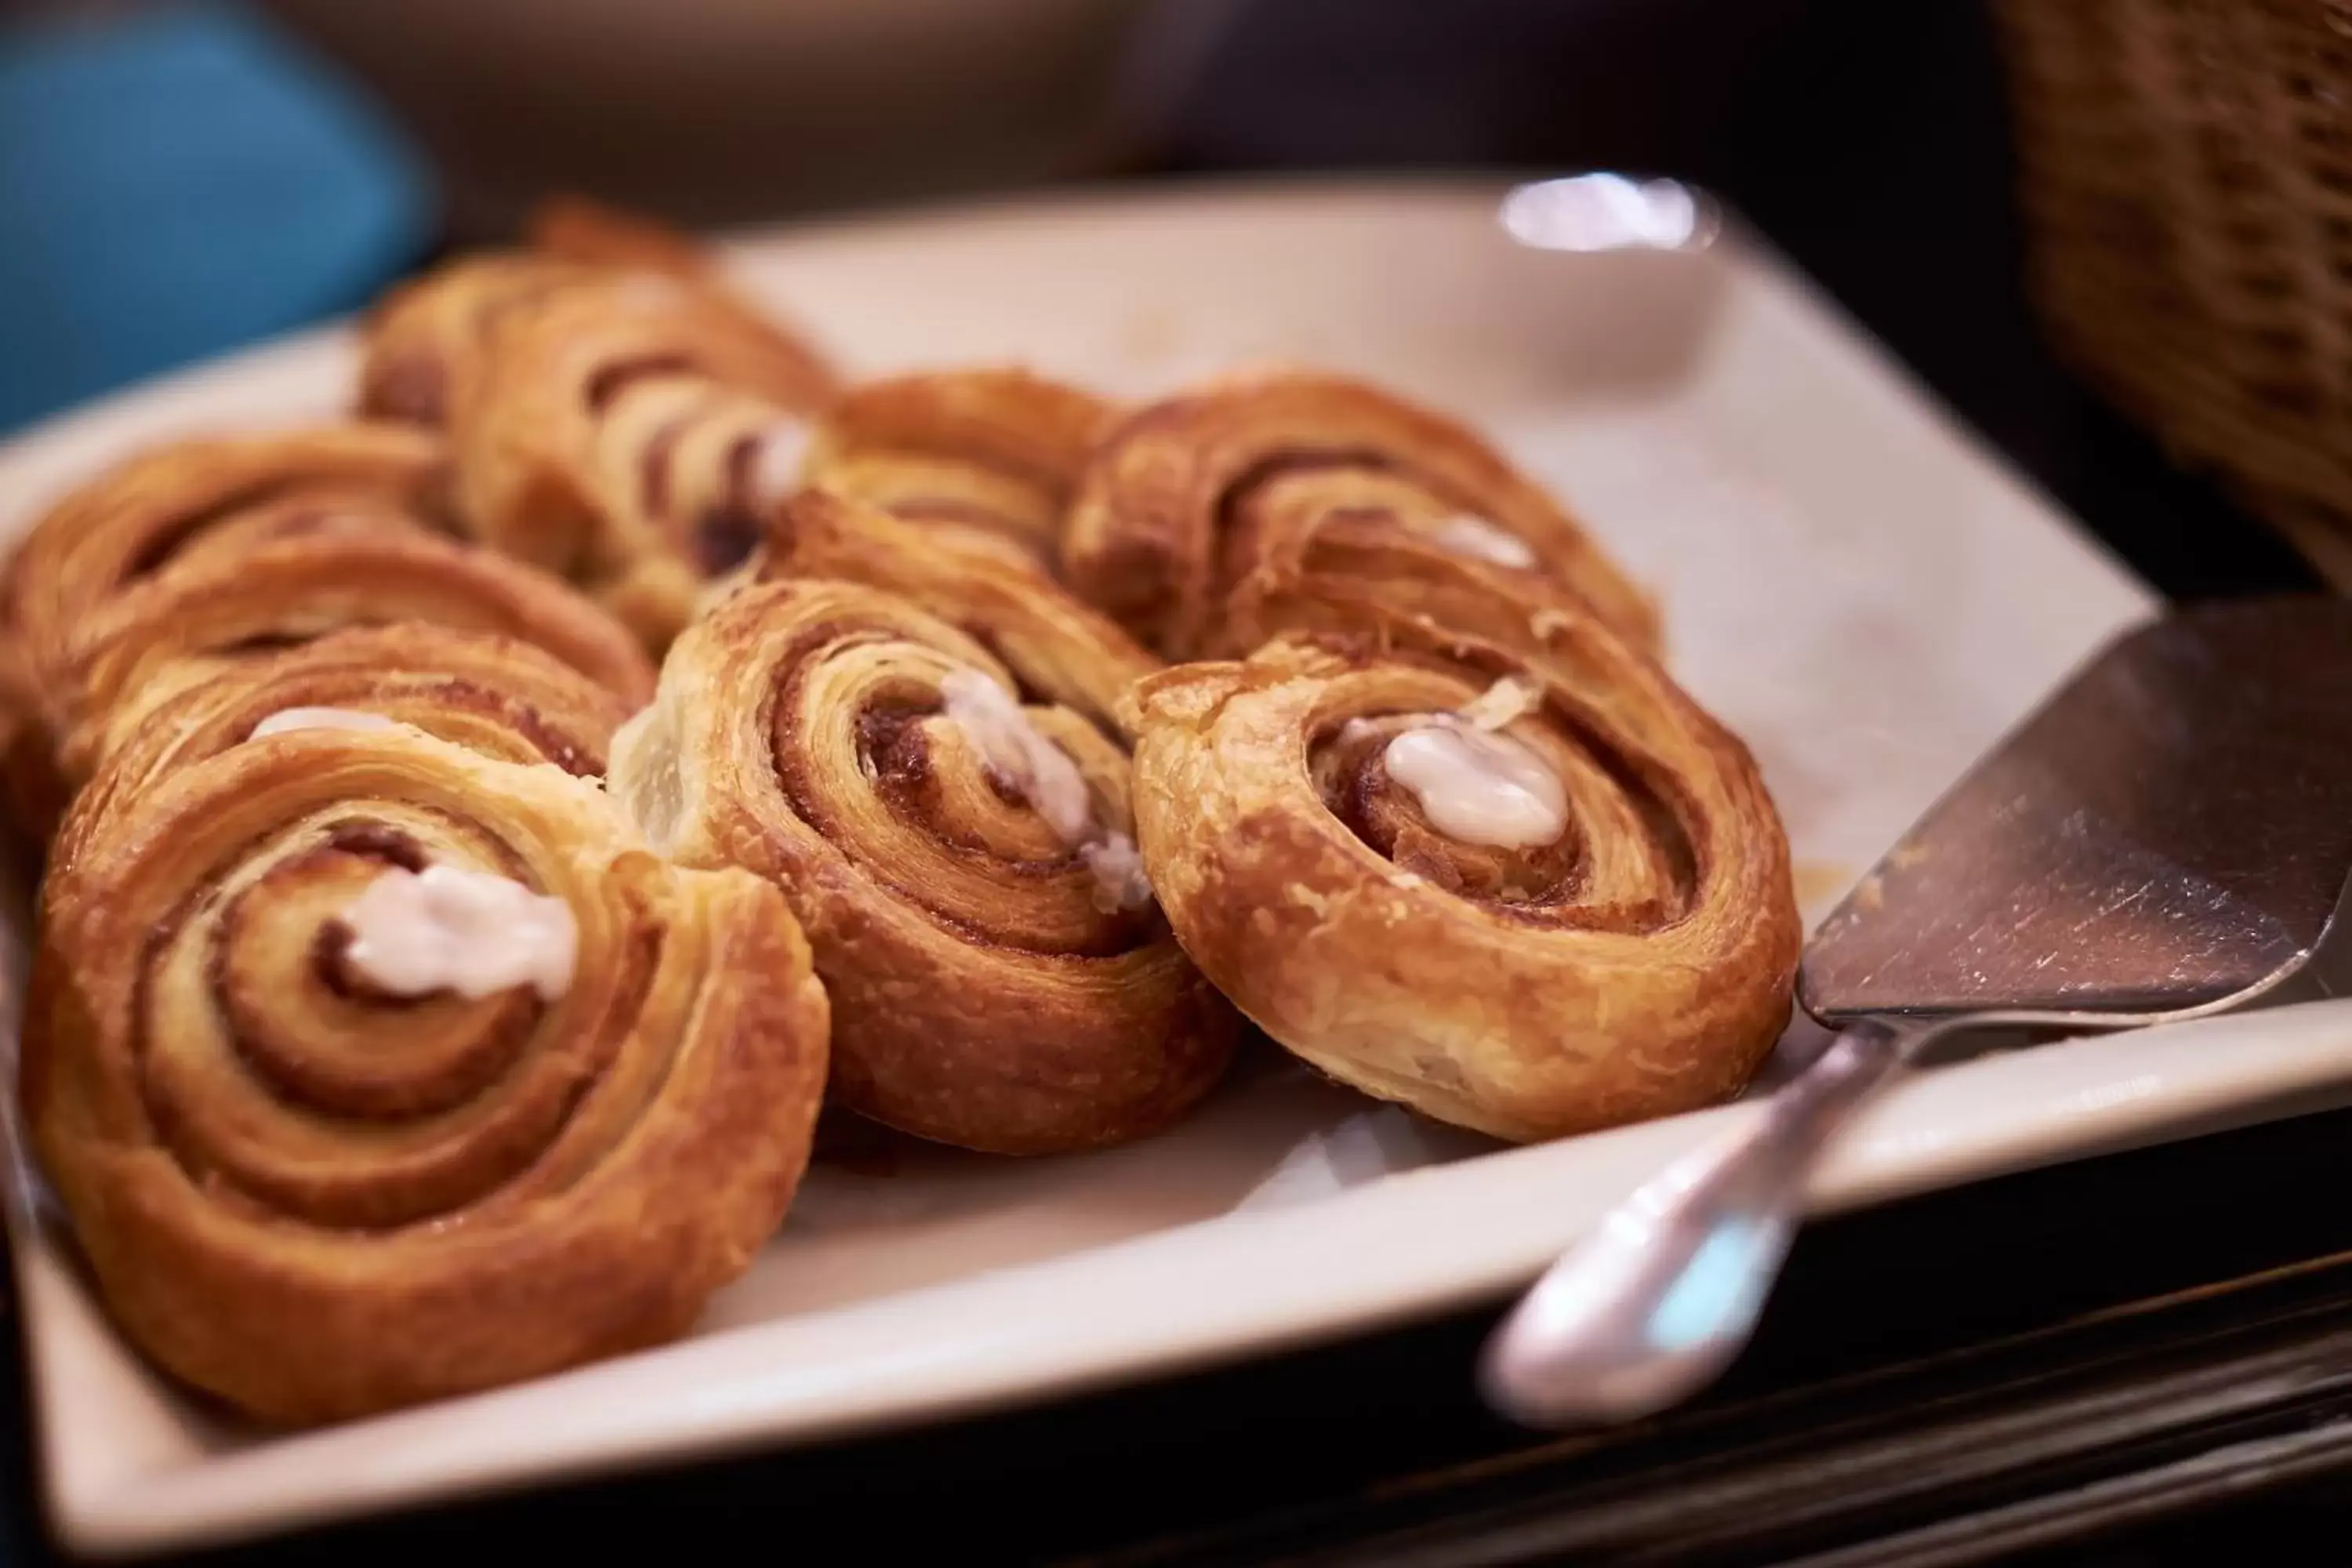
1851, 583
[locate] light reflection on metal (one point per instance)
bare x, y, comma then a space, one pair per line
2172, 829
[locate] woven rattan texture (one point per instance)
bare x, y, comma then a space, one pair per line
2187, 170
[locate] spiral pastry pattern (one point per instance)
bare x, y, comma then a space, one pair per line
991, 452
208, 496
188, 506
423, 339
1631, 958
1189, 498
491, 694
627, 444
199, 613
996, 981
1063, 651
317, 1199
424, 343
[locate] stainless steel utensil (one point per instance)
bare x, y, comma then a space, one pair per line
2170, 835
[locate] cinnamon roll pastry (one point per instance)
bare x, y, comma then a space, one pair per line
626, 445
1531, 891
221, 493
490, 693
423, 338
372, 1070
193, 501
996, 452
424, 342
1189, 498
958, 850
201, 613
1063, 651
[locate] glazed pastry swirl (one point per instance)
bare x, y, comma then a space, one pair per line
1638, 964
424, 343
993, 452
1063, 651
491, 694
1189, 498
317, 1199
200, 613
627, 444
209, 497
423, 339
216, 552
986, 991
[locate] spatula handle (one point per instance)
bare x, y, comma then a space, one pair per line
1653, 1303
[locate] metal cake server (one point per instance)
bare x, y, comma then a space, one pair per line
2168, 836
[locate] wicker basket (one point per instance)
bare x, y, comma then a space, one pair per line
2187, 178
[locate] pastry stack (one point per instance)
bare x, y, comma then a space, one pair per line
480, 832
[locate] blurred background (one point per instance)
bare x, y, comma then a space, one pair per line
178, 178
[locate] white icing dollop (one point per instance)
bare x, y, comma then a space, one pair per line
1466, 534
286, 719
993, 723
445, 929
778, 461
1477, 785
1118, 865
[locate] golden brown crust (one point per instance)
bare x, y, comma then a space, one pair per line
1182, 502
980, 994
995, 450
1641, 965
189, 506
318, 1201
228, 608
490, 693
1065, 651
141, 514
424, 342
424, 338
626, 442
